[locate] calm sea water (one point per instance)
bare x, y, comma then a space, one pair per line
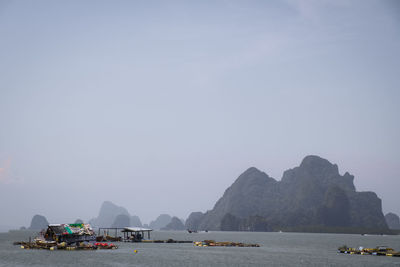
277, 249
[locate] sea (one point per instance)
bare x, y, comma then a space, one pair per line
276, 249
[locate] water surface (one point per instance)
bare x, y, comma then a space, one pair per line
277, 249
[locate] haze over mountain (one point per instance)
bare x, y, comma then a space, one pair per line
135, 221
38, 222
393, 221
121, 220
175, 224
160, 222
79, 221
111, 215
312, 195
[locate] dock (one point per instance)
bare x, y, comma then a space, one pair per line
129, 234
213, 243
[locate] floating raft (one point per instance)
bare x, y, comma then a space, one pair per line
167, 241
378, 251
213, 243
108, 238
52, 245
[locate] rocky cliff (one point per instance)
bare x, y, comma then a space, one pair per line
38, 222
392, 221
312, 194
175, 224
160, 222
122, 220
108, 216
193, 221
135, 221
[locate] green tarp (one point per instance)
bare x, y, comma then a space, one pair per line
80, 225
68, 230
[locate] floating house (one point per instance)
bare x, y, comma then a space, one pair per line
69, 233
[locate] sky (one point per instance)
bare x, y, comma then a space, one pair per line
158, 106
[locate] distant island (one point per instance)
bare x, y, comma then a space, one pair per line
160, 222
111, 215
175, 224
38, 222
312, 197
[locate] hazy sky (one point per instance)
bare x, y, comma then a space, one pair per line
158, 106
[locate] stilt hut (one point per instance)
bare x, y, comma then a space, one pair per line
129, 234
135, 234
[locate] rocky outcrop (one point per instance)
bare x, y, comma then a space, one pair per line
160, 222
108, 215
392, 221
108, 212
312, 194
175, 224
78, 221
335, 209
230, 223
135, 221
192, 222
38, 222
121, 221
251, 223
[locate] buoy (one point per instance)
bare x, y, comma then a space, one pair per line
135, 251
